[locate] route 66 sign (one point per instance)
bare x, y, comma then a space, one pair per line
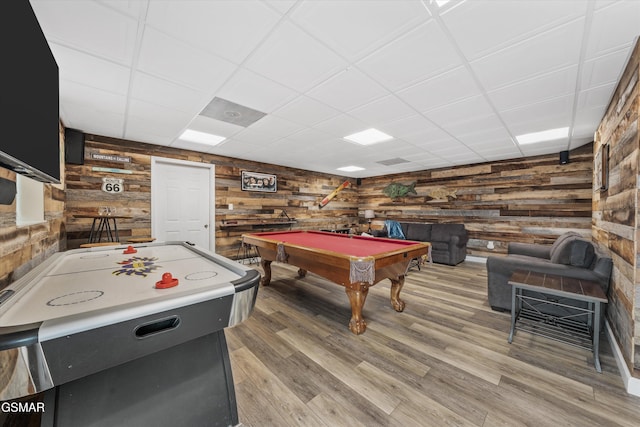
112, 185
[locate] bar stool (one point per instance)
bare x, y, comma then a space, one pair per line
248, 252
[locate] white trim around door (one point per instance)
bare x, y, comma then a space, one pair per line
156, 198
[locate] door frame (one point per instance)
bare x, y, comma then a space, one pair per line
155, 161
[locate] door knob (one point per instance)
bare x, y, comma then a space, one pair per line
206, 226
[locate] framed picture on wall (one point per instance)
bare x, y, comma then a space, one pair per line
254, 181
601, 167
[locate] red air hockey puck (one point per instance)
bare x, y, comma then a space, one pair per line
167, 282
129, 250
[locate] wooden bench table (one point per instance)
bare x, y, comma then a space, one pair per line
555, 291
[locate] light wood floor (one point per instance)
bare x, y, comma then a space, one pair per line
444, 361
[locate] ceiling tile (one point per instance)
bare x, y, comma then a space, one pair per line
311, 136
341, 125
254, 91
251, 136
431, 139
556, 49
231, 29
603, 70
101, 101
420, 54
167, 94
466, 110
272, 126
91, 71
441, 90
450, 149
383, 110
347, 90
155, 119
597, 97
505, 22
353, 30
216, 127
94, 28
537, 89
173, 60
473, 125
231, 147
282, 6
103, 116
306, 111
579, 142
614, 26
498, 138
545, 147
133, 8
407, 126
292, 58
489, 141
592, 105
550, 114
435, 163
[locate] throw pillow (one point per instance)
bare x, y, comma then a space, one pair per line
582, 253
562, 253
560, 240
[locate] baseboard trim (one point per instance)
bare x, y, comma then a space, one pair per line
631, 383
472, 258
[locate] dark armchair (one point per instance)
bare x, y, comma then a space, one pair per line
448, 241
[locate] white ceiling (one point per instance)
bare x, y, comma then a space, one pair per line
453, 85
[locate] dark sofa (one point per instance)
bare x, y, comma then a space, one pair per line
448, 241
570, 255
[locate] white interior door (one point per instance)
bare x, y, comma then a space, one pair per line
182, 197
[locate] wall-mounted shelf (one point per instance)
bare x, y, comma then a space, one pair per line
255, 222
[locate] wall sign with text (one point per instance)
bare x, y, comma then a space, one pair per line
112, 185
111, 158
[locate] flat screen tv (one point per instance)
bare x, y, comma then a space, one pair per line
29, 109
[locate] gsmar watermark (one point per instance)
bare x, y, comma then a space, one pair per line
22, 407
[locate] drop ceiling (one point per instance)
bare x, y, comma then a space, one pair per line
453, 84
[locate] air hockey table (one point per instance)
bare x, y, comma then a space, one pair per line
125, 335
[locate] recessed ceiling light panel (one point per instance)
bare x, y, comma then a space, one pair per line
368, 137
201, 137
545, 135
350, 169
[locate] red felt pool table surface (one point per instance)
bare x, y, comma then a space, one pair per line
357, 246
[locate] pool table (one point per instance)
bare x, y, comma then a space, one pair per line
354, 262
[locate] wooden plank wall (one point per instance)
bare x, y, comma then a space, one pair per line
299, 193
530, 200
25, 247
615, 211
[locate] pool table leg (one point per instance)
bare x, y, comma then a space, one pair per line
266, 266
357, 293
396, 287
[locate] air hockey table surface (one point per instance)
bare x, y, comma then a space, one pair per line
88, 310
